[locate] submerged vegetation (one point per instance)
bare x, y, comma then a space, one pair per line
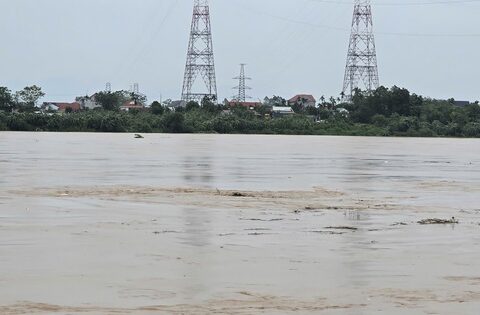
385, 112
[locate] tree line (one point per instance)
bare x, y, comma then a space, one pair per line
383, 112
23, 101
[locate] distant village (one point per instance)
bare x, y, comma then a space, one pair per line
89, 103
276, 106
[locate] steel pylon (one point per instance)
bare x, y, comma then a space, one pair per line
361, 70
200, 60
242, 86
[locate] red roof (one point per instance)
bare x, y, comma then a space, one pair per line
63, 106
307, 97
132, 104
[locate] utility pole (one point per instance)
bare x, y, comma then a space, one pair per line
200, 60
242, 87
361, 71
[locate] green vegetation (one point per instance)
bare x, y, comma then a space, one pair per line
385, 112
22, 101
400, 113
111, 101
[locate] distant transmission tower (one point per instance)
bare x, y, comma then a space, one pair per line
108, 87
361, 71
242, 87
136, 88
200, 60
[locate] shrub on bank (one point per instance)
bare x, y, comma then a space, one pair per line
3, 123
472, 129
174, 122
199, 120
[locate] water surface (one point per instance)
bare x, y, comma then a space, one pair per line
105, 223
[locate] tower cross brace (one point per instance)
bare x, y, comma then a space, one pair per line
361, 71
242, 86
200, 63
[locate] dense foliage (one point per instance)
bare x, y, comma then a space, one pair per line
194, 121
385, 112
23, 101
399, 112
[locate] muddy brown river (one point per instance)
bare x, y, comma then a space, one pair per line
224, 224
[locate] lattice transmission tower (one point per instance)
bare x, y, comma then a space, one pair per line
242, 86
136, 88
200, 61
361, 71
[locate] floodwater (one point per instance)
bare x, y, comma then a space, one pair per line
222, 224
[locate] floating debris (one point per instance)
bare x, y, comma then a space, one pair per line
239, 194
438, 221
399, 223
226, 234
350, 228
137, 136
166, 232
258, 234
328, 232
333, 208
309, 209
261, 220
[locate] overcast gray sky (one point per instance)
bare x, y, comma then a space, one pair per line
73, 47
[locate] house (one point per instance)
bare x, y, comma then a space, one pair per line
131, 105
49, 107
461, 103
173, 105
303, 100
248, 105
88, 102
61, 107
280, 111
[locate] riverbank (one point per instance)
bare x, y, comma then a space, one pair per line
241, 122
383, 112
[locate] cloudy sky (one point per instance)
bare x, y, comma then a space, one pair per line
73, 47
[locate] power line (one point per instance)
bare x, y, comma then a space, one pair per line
442, 2
342, 29
142, 49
